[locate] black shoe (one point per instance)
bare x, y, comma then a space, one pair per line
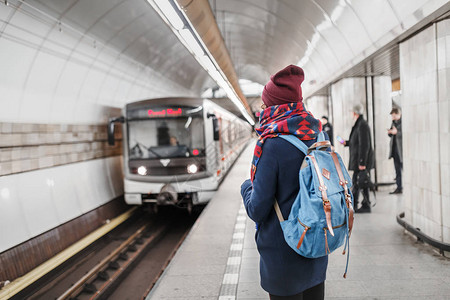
397, 191
363, 209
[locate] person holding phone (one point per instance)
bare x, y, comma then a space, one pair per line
361, 156
395, 133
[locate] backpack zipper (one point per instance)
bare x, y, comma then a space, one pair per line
334, 227
303, 224
303, 234
327, 249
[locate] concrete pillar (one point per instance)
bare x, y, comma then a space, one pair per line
318, 106
425, 80
381, 122
443, 53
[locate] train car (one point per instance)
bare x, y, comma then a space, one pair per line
177, 150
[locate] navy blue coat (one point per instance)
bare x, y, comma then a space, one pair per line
283, 271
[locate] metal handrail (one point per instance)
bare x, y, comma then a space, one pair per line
422, 236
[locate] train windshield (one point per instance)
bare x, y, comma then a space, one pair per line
166, 138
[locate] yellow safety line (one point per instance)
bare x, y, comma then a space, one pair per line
27, 279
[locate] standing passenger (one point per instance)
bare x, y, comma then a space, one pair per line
274, 175
361, 157
327, 128
395, 132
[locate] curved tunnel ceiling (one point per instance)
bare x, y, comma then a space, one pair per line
324, 37
110, 52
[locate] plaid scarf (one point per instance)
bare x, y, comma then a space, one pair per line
290, 118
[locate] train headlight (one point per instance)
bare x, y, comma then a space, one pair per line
142, 170
192, 169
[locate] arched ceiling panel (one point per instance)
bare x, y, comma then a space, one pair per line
332, 35
371, 12
82, 55
109, 52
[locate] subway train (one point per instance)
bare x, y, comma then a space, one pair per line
176, 151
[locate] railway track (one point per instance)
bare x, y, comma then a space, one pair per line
126, 265
100, 281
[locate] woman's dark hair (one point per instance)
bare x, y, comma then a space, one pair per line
395, 110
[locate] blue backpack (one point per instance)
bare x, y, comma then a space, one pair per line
321, 216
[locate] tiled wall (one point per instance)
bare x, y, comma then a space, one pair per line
27, 147
424, 67
53, 173
443, 53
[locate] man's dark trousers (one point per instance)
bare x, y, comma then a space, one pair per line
398, 170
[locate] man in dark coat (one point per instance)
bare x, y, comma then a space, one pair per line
361, 156
395, 132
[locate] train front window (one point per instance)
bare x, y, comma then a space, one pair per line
166, 138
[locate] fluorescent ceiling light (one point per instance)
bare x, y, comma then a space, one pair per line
170, 13
192, 42
207, 63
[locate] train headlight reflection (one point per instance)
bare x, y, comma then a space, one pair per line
142, 170
192, 169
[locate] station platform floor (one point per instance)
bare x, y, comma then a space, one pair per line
219, 259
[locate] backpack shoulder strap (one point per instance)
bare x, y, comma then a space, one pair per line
321, 137
296, 142
278, 211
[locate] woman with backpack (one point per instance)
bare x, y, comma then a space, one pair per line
275, 177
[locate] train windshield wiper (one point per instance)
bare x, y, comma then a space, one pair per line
150, 150
156, 154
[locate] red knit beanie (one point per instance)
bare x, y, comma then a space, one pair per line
284, 87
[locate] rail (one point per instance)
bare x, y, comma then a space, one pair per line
24, 282
82, 284
422, 236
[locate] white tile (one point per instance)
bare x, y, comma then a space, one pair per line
445, 211
227, 297
236, 246
240, 226
238, 235
13, 229
36, 200
64, 193
445, 179
235, 260
241, 218
230, 278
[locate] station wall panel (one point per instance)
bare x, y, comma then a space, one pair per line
382, 121
443, 53
424, 65
37, 201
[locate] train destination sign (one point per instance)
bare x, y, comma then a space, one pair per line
169, 112
156, 112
